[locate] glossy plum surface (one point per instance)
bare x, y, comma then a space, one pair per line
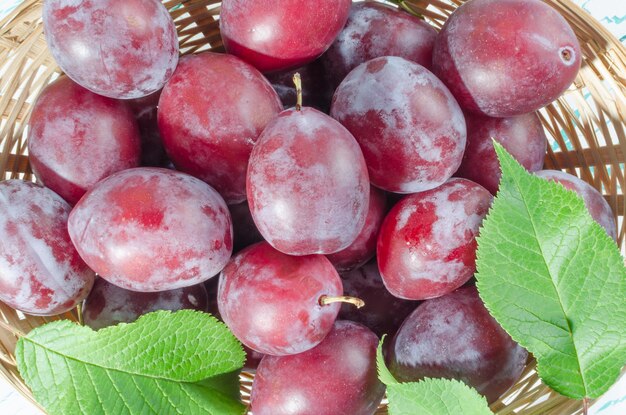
271, 301
374, 30
409, 126
77, 138
427, 243
364, 246
522, 136
336, 377
117, 48
211, 113
307, 183
383, 313
245, 232
145, 111
597, 206
150, 229
455, 337
108, 304
40, 271
276, 35
506, 57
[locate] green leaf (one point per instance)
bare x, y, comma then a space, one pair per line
164, 363
384, 374
553, 278
429, 396
435, 397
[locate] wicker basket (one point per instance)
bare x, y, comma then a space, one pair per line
586, 128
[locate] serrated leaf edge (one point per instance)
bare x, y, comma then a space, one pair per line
505, 157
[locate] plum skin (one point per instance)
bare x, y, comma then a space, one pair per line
275, 35
151, 229
211, 113
338, 376
107, 304
427, 243
506, 57
121, 49
412, 133
271, 301
455, 337
522, 136
307, 184
41, 273
366, 36
77, 138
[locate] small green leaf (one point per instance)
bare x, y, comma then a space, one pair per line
435, 397
164, 363
429, 396
556, 282
384, 374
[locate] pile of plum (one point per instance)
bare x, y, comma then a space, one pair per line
183, 183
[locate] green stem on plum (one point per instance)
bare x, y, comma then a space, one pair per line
297, 81
357, 302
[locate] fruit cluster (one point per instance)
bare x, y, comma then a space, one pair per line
183, 183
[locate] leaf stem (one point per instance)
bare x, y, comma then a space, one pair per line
357, 302
585, 406
8, 327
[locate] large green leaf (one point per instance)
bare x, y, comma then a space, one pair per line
429, 396
555, 281
164, 363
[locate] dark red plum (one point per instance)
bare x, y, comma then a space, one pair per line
211, 113
117, 48
506, 57
245, 232
275, 35
152, 150
455, 337
108, 304
272, 301
41, 272
77, 138
409, 126
150, 229
316, 92
522, 136
338, 376
374, 30
427, 243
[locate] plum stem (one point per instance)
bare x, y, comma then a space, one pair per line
79, 313
585, 406
297, 81
357, 302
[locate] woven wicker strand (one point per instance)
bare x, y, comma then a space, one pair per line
586, 129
